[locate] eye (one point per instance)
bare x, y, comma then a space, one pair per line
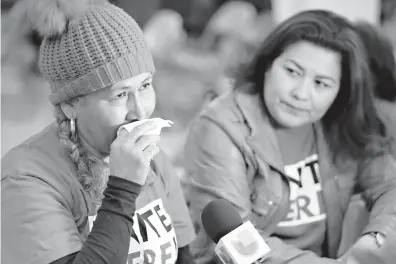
120, 96
292, 72
320, 84
145, 86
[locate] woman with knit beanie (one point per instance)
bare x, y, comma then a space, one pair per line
79, 192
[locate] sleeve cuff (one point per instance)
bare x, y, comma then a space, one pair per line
384, 225
124, 185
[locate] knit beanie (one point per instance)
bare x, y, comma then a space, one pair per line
87, 45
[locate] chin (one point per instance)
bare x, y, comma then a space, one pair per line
290, 122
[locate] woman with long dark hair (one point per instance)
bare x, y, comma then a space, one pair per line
294, 140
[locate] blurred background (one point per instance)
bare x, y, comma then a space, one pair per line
196, 44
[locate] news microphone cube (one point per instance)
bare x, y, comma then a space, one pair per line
243, 245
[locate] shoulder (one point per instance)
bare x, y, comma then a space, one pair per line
221, 108
235, 107
233, 115
41, 158
40, 201
221, 117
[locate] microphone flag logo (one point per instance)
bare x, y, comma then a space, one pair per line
245, 242
243, 245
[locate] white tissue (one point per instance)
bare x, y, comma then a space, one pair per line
160, 123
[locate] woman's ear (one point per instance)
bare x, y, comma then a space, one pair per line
69, 110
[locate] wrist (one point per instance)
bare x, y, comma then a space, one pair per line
365, 250
124, 185
120, 197
138, 178
378, 238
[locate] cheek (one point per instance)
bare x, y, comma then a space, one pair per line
148, 100
269, 89
322, 102
277, 83
102, 122
275, 86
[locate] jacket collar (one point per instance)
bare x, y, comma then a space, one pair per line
262, 138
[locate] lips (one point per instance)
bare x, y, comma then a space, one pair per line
294, 107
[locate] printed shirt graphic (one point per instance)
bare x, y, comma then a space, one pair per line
306, 203
161, 245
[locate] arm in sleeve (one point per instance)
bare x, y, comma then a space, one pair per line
378, 181
40, 228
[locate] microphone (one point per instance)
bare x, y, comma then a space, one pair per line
237, 242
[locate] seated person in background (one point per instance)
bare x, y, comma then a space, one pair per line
383, 69
291, 143
76, 192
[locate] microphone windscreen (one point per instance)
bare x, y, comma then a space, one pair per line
219, 217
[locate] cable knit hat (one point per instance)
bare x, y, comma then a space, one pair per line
87, 46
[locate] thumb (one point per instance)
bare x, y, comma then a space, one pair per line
122, 132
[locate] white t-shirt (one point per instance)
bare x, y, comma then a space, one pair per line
160, 247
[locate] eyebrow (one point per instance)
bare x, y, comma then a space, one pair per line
318, 75
147, 79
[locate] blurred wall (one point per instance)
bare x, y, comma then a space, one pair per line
368, 10
140, 10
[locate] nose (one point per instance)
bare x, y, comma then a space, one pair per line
136, 107
303, 89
